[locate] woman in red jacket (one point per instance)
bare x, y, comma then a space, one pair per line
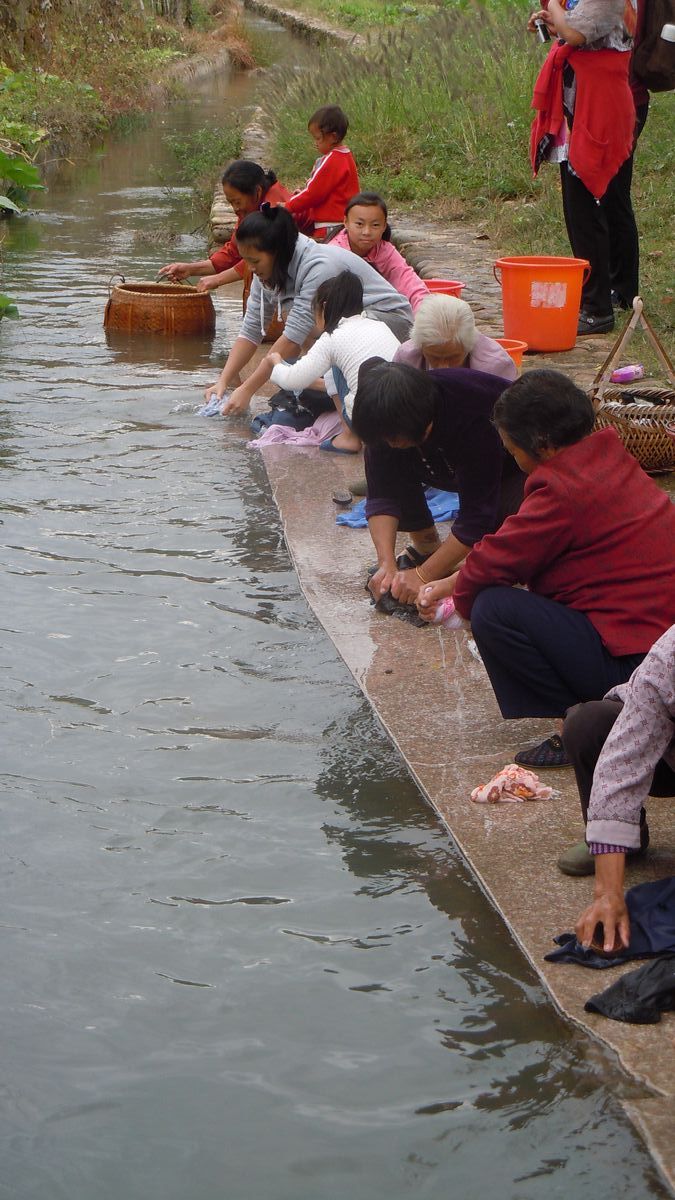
245, 186
594, 544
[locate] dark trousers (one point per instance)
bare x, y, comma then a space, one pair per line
541, 656
586, 729
605, 233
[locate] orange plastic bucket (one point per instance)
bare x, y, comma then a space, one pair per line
446, 287
541, 298
514, 349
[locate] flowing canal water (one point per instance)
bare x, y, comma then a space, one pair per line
241, 957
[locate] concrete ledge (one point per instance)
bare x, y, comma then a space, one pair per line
312, 29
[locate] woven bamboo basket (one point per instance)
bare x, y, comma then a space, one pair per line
641, 424
161, 308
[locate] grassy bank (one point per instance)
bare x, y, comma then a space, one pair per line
440, 117
71, 70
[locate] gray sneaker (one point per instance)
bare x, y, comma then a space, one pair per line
577, 860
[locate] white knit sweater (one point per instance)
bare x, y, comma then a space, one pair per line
353, 341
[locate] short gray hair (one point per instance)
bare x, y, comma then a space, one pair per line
440, 319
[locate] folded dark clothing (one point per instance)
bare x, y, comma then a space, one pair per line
405, 612
640, 996
651, 909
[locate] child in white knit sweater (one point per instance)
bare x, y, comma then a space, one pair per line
349, 337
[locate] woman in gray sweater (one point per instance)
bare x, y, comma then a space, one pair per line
288, 268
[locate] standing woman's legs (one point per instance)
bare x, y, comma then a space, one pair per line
588, 233
624, 247
541, 656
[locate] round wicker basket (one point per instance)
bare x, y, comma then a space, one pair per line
164, 308
641, 425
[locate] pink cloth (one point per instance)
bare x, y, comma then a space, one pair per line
392, 266
325, 426
512, 785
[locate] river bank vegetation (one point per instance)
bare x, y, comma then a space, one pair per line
72, 69
439, 113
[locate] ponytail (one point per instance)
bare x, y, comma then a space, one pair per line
273, 231
246, 176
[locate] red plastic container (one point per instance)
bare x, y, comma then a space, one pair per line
446, 287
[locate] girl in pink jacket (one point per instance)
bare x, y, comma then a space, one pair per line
366, 233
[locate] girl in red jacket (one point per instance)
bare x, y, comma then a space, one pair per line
592, 542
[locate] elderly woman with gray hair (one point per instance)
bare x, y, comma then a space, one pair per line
444, 334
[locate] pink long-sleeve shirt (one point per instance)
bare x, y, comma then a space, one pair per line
386, 259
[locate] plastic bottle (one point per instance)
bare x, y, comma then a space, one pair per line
628, 374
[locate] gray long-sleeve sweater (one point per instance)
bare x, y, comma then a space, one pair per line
310, 265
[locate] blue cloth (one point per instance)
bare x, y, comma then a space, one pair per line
651, 908
443, 506
212, 409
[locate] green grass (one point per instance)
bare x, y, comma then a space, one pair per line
439, 122
202, 157
365, 15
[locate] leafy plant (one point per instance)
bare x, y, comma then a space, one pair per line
8, 308
202, 156
22, 177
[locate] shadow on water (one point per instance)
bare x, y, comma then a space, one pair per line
241, 958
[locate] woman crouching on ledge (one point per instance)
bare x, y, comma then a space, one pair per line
593, 543
288, 268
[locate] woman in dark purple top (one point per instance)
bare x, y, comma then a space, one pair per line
430, 429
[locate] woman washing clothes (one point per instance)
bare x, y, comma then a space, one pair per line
288, 269
245, 187
444, 334
592, 542
429, 429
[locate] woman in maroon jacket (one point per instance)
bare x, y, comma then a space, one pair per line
594, 544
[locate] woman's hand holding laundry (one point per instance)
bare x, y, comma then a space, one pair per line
237, 402
432, 593
381, 581
405, 586
608, 908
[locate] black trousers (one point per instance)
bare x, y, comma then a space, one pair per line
605, 233
541, 656
586, 729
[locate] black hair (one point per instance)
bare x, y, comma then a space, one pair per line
339, 297
543, 409
274, 231
246, 176
371, 199
330, 119
393, 400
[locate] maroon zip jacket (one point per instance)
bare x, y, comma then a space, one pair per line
593, 532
